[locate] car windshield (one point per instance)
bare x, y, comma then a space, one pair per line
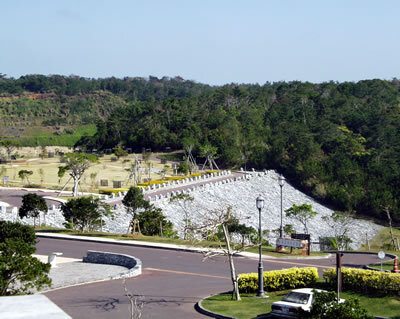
297, 297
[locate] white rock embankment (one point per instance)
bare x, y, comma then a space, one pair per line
241, 196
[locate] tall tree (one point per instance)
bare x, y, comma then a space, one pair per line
302, 213
208, 226
76, 164
24, 174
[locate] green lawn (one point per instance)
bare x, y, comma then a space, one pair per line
388, 265
251, 307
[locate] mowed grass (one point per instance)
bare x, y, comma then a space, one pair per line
251, 307
45, 171
271, 251
387, 265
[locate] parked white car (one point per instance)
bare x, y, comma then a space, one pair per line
297, 298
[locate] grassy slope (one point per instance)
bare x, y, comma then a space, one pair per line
382, 241
27, 119
45, 137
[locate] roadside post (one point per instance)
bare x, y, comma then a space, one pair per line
339, 256
381, 256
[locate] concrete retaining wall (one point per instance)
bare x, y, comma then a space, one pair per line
133, 264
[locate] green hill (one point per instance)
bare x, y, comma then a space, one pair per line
340, 142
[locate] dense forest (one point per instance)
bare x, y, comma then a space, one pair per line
337, 141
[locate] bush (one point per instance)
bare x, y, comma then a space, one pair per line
19, 271
368, 281
279, 279
84, 212
152, 219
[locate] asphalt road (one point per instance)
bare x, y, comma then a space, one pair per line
13, 197
171, 283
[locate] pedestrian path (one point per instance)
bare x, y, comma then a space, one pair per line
72, 271
30, 307
68, 272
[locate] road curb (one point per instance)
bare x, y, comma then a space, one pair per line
118, 242
162, 246
199, 307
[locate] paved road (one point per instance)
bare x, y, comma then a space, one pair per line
172, 281
13, 197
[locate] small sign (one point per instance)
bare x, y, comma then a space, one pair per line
301, 236
294, 243
6, 179
381, 255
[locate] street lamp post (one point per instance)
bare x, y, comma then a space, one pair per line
260, 205
281, 183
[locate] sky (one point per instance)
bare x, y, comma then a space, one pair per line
208, 41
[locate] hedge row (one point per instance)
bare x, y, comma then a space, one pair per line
157, 181
279, 279
109, 191
368, 281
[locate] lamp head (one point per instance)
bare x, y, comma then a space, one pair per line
260, 202
281, 180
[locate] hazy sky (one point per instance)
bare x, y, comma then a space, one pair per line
209, 41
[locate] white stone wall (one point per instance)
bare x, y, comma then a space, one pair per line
241, 195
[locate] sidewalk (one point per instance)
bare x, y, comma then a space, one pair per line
68, 272
30, 307
71, 272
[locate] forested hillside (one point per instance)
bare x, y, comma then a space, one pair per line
338, 141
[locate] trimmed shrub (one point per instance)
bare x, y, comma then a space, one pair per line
151, 183
368, 281
112, 190
279, 279
174, 178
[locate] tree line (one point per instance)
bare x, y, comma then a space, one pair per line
339, 142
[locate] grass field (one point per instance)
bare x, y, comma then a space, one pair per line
251, 307
45, 170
